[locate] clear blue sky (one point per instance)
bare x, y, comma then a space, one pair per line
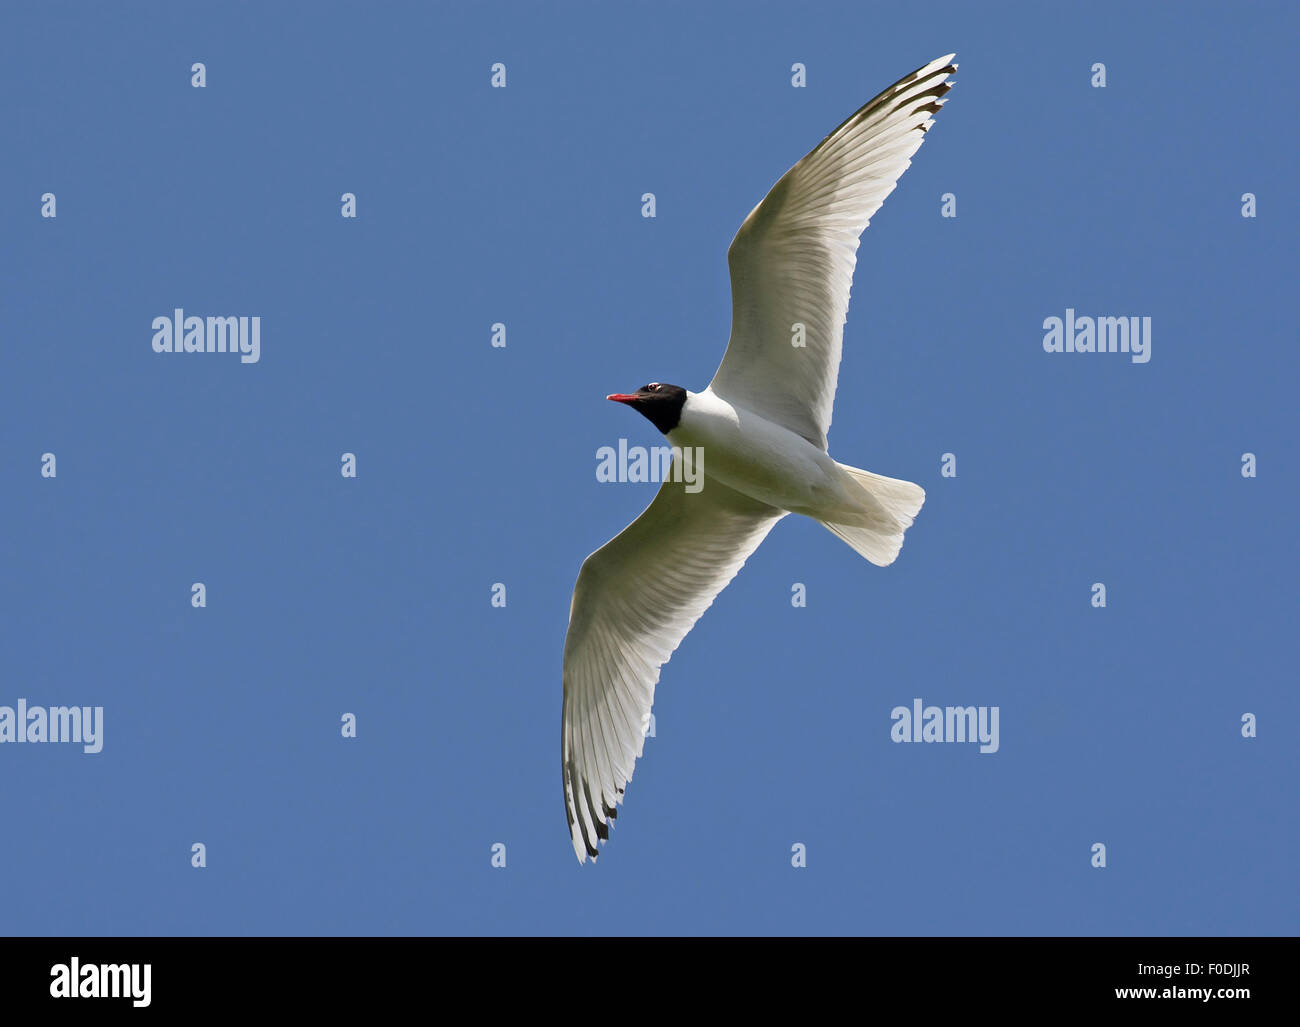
477, 465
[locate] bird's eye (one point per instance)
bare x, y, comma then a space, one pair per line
652, 387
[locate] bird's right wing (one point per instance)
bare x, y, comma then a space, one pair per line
792, 260
635, 600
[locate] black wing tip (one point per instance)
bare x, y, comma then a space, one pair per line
948, 69
577, 822
888, 95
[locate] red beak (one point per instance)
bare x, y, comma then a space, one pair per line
621, 397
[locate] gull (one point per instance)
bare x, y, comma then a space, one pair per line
759, 429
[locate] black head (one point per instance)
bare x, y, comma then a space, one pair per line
660, 404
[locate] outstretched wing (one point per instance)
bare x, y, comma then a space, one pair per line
636, 599
792, 260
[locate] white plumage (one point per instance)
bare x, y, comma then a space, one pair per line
761, 425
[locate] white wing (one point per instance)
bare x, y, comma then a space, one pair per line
636, 599
792, 260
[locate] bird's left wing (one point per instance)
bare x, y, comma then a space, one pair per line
635, 600
792, 260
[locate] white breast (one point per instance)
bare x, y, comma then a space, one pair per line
757, 457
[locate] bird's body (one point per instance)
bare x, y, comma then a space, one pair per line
760, 429
763, 460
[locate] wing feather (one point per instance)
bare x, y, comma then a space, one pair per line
636, 598
792, 260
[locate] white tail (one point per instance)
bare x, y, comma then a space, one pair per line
888, 508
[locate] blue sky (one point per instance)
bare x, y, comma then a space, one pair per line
476, 465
